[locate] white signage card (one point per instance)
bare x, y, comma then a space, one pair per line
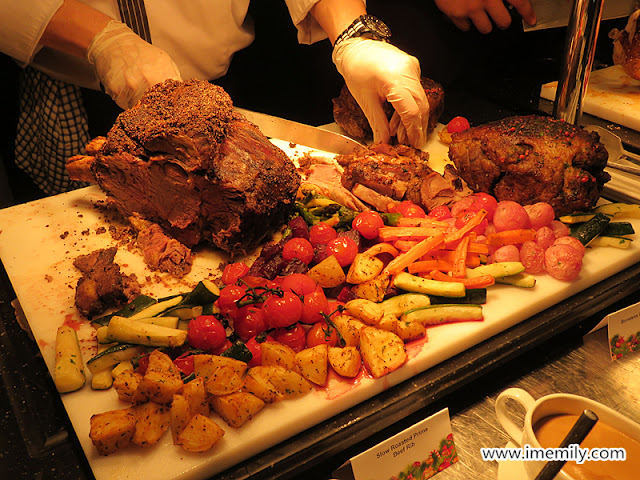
419, 452
624, 331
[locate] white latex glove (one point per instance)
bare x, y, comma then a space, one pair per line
127, 65
376, 71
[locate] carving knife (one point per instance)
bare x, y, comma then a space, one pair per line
300, 133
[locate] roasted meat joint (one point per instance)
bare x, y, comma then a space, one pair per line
183, 159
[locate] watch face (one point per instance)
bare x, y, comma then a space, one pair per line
376, 26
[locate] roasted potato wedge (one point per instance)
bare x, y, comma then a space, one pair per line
389, 323
274, 353
259, 384
408, 331
113, 430
237, 408
196, 395
288, 384
157, 387
312, 363
200, 434
364, 268
221, 375
181, 415
345, 361
152, 420
373, 290
126, 384
328, 273
349, 328
365, 310
382, 351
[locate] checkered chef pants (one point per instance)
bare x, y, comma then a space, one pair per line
52, 126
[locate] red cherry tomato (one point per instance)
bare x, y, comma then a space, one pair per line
229, 295
464, 217
368, 223
206, 332
256, 352
441, 212
249, 322
233, 272
282, 311
184, 363
222, 348
143, 363
321, 234
344, 249
410, 210
314, 306
299, 283
458, 124
299, 248
322, 333
294, 337
486, 202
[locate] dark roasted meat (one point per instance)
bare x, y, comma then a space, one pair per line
102, 285
531, 159
382, 174
183, 159
350, 117
626, 46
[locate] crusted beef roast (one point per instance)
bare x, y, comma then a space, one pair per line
531, 159
383, 174
350, 117
183, 159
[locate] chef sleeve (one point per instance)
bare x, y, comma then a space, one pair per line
22, 24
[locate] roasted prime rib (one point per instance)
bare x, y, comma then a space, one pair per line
531, 159
182, 158
383, 174
350, 117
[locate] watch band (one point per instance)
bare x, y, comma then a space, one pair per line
365, 25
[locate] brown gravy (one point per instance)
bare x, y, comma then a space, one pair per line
551, 430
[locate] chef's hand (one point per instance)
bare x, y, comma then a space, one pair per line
127, 65
376, 71
481, 12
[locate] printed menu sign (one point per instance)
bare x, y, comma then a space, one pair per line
419, 452
624, 331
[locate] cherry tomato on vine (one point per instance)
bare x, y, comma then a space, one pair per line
321, 233
314, 305
299, 248
206, 332
256, 352
294, 336
368, 223
282, 311
233, 272
321, 333
184, 363
486, 202
409, 209
249, 322
229, 295
344, 249
441, 212
299, 283
458, 124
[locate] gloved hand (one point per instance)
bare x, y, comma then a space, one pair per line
127, 65
376, 71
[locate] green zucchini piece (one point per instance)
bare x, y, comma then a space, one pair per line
574, 218
169, 322
476, 296
402, 303
68, 372
210, 309
411, 283
587, 231
205, 292
239, 351
129, 330
617, 229
619, 209
157, 308
102, 380
184, 312
137, 304
522, 280
439, 314
617, 242
496, 270
113, 356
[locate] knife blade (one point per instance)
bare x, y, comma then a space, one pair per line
300, 133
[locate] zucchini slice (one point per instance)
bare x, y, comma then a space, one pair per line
157, 308
113, 356
619, 209
204, 292
574, 218
239, 351
617, 242
68, 372
587, 231
402, 303
496, 270
170, 322
137, 304
439, 314
617, 229
475, 296
412, 283
522, 280
129, 330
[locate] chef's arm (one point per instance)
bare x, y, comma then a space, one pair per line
125, 64
375, 72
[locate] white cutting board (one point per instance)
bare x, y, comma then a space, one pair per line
39, 240
611, 95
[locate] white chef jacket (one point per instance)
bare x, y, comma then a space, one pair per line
201, 36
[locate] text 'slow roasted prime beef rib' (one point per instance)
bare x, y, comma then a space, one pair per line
531, 159
183, 159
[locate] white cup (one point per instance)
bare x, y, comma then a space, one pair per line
559, 403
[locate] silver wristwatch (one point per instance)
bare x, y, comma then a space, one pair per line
366, 26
